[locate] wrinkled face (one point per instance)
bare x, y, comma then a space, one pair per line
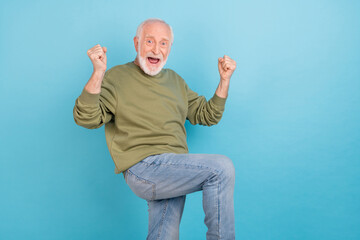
153, 47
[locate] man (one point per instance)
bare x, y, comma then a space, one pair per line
144, 108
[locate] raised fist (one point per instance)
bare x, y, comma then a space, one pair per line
97, 55
226, 67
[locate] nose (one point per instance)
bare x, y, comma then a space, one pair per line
156, 48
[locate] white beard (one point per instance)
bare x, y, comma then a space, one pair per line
143, 63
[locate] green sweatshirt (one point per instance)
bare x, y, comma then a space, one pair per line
144, 115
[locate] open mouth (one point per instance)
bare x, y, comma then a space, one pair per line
153, 60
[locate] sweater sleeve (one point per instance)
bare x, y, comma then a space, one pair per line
203, 112
94, 110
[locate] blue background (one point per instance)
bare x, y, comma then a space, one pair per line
291, 124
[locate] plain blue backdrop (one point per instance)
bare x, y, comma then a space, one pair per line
291, 124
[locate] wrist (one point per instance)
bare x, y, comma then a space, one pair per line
94, 84
224, 82
222, 89
98, 72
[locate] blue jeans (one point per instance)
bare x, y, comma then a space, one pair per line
165, 179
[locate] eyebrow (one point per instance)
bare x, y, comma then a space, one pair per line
150, 36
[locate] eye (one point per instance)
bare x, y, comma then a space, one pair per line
149, 41
163, 43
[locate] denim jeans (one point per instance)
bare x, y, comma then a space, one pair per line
165, 179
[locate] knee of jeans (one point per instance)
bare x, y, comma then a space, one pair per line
227, 168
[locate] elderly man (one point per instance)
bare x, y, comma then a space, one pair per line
144, 108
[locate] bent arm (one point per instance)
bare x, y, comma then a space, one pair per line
203, 112
92, 110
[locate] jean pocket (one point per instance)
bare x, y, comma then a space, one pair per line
141, 187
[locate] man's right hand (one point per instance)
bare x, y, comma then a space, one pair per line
97, 55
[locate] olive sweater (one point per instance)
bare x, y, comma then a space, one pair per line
144, 115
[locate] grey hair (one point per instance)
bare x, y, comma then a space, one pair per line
151, 20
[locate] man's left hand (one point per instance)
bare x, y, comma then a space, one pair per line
226, 67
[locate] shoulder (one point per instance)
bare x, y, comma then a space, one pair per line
172, 72
118, 73
119, 69
174, 75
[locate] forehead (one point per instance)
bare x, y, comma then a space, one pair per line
157, 30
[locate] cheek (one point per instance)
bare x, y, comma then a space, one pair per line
143, 51
165, 53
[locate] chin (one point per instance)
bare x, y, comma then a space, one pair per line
150, 69
153, 70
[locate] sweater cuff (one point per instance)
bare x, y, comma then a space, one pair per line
218, 100
89, 98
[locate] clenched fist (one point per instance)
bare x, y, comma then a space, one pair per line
97, 55
226, 67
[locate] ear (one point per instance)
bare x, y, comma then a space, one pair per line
136, 43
